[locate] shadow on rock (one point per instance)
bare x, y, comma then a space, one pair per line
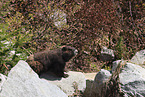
50, 76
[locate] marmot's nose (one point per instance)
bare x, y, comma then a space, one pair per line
76, 52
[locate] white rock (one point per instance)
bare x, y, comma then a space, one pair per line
68, 85
132, 73
22, 81
132, 79
139, 57
2, 80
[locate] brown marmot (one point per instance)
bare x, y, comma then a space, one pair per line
52, 60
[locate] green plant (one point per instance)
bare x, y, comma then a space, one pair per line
13, 38
121, 49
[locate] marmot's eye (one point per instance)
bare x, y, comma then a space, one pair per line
64, 49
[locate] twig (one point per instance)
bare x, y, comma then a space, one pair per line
30, 53
6, 66
130, 8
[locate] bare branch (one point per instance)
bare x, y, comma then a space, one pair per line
5, 66
133, 21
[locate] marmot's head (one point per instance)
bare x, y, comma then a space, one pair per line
68, 52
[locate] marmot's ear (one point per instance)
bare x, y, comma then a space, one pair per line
64, 48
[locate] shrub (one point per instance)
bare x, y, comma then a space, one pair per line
90, 25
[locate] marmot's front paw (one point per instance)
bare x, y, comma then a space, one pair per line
65, 75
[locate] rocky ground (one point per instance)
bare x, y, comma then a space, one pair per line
129, 75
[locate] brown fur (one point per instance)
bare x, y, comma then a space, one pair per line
51, 60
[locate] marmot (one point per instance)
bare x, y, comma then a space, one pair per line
52, 60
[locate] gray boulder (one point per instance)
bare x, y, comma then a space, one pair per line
75, 82
22, 81
131, 77
101, 78
139, 57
